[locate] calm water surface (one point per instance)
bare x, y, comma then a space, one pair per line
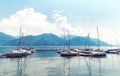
49, 63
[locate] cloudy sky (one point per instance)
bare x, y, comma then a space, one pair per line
55, 16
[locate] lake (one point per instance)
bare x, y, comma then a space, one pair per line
50, 63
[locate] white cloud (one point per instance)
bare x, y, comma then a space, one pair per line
64, 26
35, 23
59, 18
31, 21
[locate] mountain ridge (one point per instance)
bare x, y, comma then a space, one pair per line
48, 39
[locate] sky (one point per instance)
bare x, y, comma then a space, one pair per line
79, 17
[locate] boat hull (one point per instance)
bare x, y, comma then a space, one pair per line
85, 53
98, 54
16, 55
68, 53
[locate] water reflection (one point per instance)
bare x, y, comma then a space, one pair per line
88, 64
100, 71
51, 64
94, 66
20, 64
67, 68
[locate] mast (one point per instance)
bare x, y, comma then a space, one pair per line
64, 41
21, 42
20, 37
98, 38
87, 43
68, 41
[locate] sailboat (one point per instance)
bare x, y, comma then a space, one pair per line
68, 52
20, 52
113, 50
98, 52
87, 51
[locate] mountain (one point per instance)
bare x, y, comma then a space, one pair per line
5, 38
66, 37
39, 40
49, 39
102, 43
26, 40
84, 41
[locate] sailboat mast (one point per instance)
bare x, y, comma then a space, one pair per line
68, 41
98, 38
22, 42
64, 41
89, 41
20, 37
